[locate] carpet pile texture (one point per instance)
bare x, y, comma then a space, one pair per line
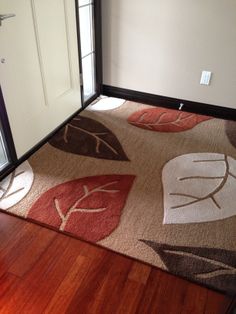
152, 183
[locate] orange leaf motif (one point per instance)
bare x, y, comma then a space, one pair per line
89, 208
165, 120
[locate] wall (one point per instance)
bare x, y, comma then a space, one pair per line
161, 47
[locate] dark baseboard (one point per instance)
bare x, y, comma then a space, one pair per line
27, 155
168, 102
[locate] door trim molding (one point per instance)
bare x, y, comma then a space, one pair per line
79, 49
168, 102
98, 45
97, 13
7, 134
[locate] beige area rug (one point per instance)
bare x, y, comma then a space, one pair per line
155, 184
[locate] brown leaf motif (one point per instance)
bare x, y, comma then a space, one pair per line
165, 120
89, 208
88, 137
210, 266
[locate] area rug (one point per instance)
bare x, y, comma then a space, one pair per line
155, 184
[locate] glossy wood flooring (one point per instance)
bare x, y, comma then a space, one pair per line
43, 271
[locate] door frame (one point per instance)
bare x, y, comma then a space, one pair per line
7, 136
97, 13
98, 45
10, 147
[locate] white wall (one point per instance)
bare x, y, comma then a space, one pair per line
161, 47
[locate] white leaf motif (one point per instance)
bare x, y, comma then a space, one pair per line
199, 188
16, 186
105, 103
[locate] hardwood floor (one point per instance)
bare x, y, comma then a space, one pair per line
43, 271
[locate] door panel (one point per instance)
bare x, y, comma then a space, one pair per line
53, 49
40, 76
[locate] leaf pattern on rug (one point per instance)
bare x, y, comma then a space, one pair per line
230, 127
165, 120
199, 187
88, 137
211, 266
16, 186
106, 103
89, 208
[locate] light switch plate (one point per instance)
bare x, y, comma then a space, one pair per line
205, 78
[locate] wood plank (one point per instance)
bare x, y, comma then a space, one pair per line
130, 297
108, 296
139, 272
216, 303
171, 294
195, 300
24, 261
9, 228
59, 274
20, 242
8, 225
87, 296
134, 288
8, 284
89, 250
39, 285
151, 291
65, 292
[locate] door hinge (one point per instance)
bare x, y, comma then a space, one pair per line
81, 79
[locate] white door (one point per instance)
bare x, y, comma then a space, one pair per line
39, 69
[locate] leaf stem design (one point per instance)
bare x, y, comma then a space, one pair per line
2, 189
220, 272
95, 135
89, 137
74, 208
96, 101
185, 195
224, 269
65, 134
210, 195
208, 160
12, 175
200, 177
13, 193
5, 194
232, 175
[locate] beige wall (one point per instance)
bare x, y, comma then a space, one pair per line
161, 47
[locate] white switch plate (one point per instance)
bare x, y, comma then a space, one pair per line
205, 78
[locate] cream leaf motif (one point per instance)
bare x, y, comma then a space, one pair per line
199, 187
106, 103
16, 186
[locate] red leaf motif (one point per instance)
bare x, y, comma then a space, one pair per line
89, 208
165, 120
